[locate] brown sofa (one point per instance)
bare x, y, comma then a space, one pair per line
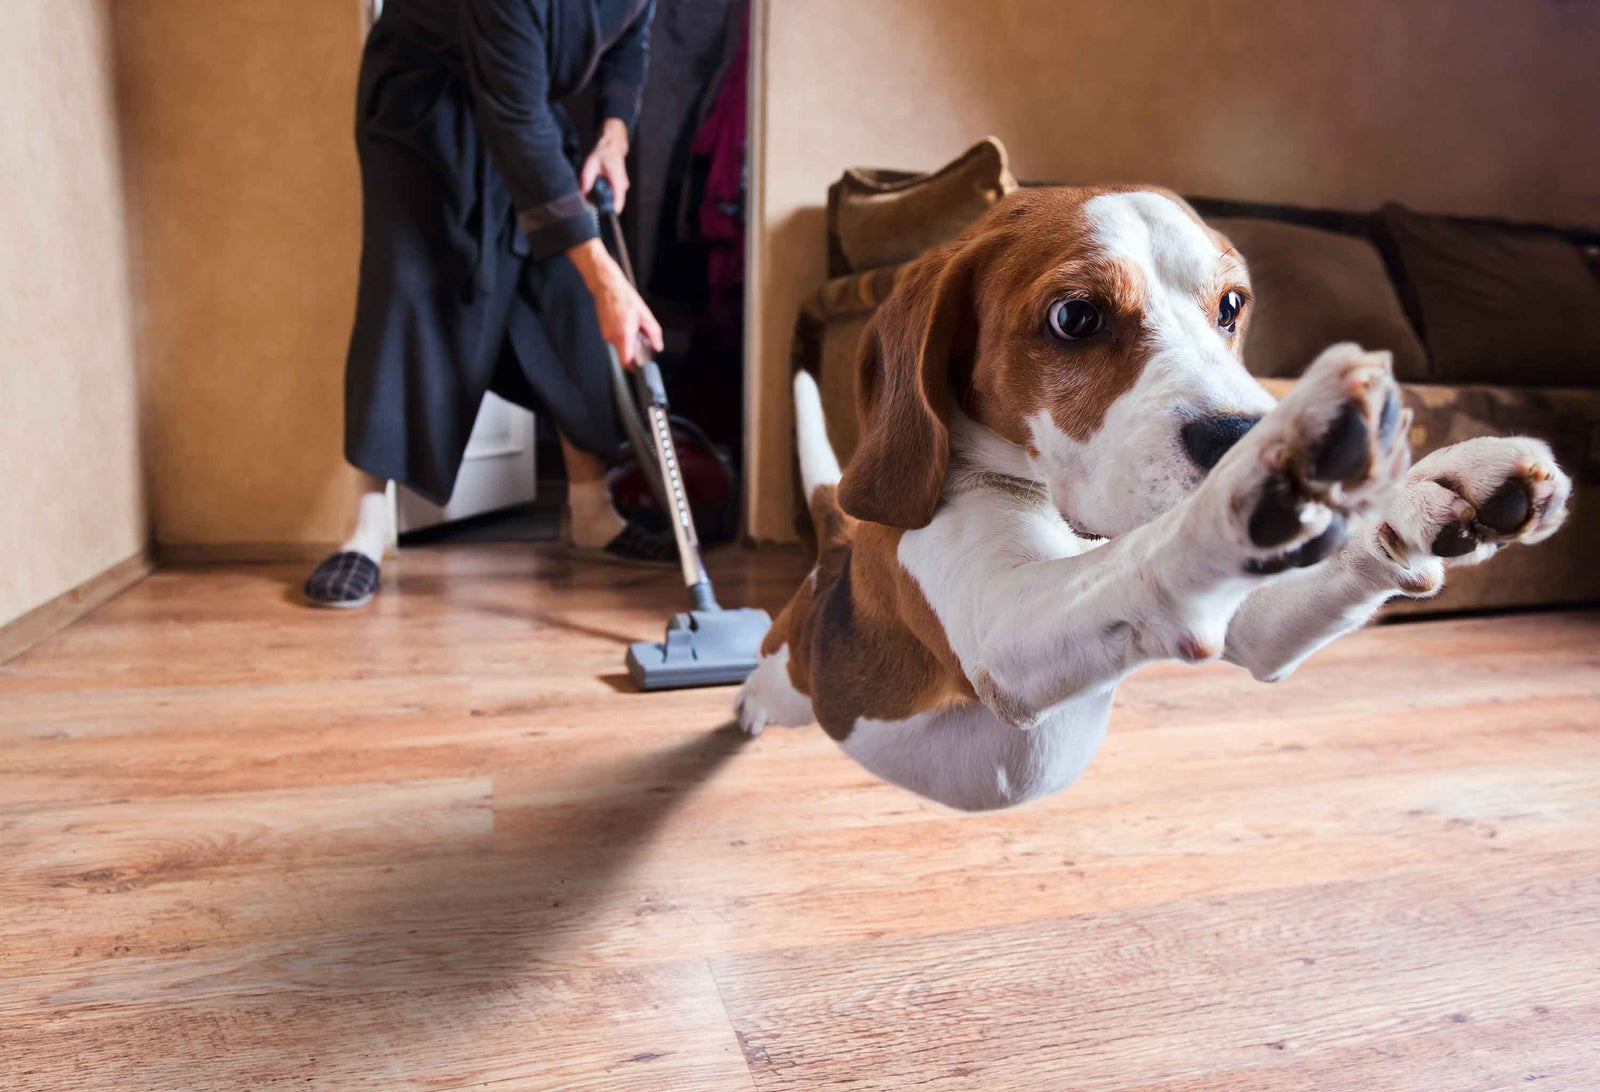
1495, 329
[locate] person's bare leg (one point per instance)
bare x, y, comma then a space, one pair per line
581, 466
593, 522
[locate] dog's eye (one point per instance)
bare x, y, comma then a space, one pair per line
1228, 311
1074, 320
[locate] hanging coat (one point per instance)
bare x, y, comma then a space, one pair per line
469, 201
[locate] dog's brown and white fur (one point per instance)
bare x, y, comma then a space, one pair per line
1026, 518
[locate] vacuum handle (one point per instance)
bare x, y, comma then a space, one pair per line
651, 386
605, 198
605, 207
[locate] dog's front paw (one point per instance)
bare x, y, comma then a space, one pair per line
1465, 501
1334, 448
750, 711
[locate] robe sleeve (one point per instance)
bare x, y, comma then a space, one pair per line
619, 76
505, 47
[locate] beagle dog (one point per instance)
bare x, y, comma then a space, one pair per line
1065, 472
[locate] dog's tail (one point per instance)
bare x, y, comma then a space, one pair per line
819, 466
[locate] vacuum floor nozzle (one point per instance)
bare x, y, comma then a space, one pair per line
702, 648
706, 646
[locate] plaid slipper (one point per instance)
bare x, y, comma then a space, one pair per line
346, 579
633, 545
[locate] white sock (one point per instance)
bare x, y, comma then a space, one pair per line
372, 527
593, 521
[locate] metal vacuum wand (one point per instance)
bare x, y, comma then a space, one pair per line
707, 645
652, 393
677, 498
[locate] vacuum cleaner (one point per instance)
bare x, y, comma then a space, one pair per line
705, 645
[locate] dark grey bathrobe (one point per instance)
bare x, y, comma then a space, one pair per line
470, 199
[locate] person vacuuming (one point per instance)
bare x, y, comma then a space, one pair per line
481, 268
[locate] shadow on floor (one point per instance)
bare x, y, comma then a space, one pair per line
535, 900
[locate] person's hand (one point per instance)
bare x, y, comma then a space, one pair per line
609, 158
624, 317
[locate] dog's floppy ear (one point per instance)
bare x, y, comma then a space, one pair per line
903, 391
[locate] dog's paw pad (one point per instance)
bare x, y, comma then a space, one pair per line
1507, 509
1334, 448
1464, 502
1334, 535
1454, 541
1350, 407
1331, 538
1280, 514
1343, 454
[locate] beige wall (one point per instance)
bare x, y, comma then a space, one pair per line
246, 199
1461, 106
71, 495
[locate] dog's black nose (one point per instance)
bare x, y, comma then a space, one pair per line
1207, 439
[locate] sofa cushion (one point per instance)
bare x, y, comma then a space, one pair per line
882, 218
1313, 288
1495, 305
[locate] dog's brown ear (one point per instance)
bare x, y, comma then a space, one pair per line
903, 391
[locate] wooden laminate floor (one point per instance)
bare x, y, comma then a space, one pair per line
438, 844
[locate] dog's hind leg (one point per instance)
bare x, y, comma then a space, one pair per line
769, 695
1458, 507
